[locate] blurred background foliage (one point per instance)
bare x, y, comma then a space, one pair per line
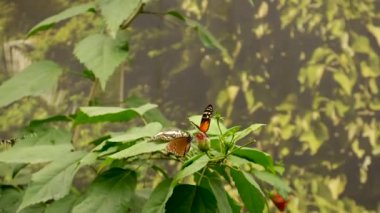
308, 68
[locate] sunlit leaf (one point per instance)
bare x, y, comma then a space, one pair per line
29, 82
315, 137
101, 54
68, 13
344, 81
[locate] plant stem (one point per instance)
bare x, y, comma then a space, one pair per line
75, 128
121, 88
223, 143
200, 179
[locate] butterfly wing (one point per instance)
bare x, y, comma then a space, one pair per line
179, 146
206, 119
169, 135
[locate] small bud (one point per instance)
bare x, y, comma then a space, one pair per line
203, 141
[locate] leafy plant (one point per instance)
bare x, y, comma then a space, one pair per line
39, 172
123, 161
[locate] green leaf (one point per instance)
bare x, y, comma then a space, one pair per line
45, 136
275, 181
138, 200
38, 208
10, 199
52, 182
315, 136
206, 37
153, 115
156, 202
116, 11
249, 191
34, 80
311, 75
138, 149
112, 191
54, 118
344, 81
68, 13
192, 168
216, 186
138, 132
236, 208
35, 154
63, 205
231, 131
110, 114
243, 133
177, 15
255, 156
189, 198
101, 54
195, 166
42, 146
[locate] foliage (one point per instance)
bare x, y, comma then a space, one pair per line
38, 172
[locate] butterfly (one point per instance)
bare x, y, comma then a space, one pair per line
206, 119
180, 141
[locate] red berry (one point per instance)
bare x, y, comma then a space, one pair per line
278, 201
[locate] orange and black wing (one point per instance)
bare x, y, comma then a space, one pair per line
206, 119
179, 146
